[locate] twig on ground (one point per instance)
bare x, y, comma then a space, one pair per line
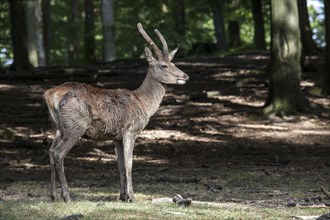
325, 191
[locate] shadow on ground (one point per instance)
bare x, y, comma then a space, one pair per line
212, 148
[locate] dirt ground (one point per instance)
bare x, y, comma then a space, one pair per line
206, 141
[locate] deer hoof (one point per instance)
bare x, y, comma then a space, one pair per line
52, 198
126, 197
66, 198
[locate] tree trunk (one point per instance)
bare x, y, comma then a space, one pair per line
39, 34
135, 16
284, 95
73, 32
31, 25
180, 18
308, 44
35, 33
109, 49
234, 34
219, 26
45, 4
259, 30
326, 72
89, 32
19, 36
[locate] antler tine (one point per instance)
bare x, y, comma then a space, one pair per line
149, 40
161, 38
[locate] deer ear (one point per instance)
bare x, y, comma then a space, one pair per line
148, 54
172, 54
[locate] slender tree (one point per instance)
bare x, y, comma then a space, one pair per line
109, 48
326, 72
233, 24
73, 32
31, 23
19, 36
180, 17
308, 44
39, 34
259, 30
89, 31
234, 34
219, 25
285, 95
45, 4
35, 33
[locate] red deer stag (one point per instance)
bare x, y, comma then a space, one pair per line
78, 109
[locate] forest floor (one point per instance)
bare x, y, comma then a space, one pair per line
207, 142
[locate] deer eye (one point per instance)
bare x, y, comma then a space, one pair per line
164, 66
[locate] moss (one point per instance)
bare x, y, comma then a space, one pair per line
6, 134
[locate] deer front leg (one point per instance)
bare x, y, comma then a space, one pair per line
121, 167
125, 162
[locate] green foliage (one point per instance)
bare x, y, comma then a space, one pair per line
241, 11
199, 25
267, 21
59, 18
6, 134
316, 17
6, 54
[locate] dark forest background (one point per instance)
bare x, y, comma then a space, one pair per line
77, 32
59, 33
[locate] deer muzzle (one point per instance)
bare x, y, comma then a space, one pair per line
183, 80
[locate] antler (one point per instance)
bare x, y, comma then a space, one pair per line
161, 38
158, 52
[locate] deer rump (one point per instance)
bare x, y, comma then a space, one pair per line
96, 113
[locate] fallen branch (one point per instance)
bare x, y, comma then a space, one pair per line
325, 191
305, 217
167, 200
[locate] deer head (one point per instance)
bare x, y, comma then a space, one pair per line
161, 67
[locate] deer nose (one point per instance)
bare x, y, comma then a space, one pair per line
185, 77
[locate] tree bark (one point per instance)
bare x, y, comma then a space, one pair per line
19, 36
284, 95
35, 33
31, 26
73, 33
259, 30
39, 34
219, 26
89, 32
234, 34
45, 4
109, 48
306, 34
180, 18
326, 72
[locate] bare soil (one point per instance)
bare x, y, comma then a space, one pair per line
207, 141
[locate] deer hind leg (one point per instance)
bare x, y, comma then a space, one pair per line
60, 151
57, 138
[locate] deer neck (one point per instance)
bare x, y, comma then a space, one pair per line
151, 93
